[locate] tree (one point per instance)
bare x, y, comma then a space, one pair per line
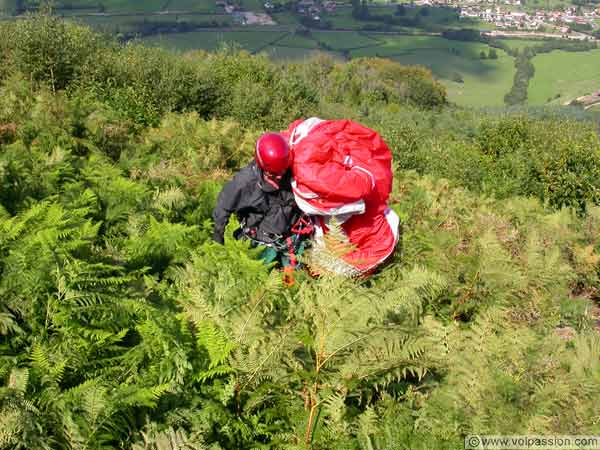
482, 55
493, 54
360, 10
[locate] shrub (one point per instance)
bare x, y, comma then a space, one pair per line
143, 83
377, 80
48, 49
258, 93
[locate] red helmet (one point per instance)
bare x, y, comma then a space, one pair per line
272, 153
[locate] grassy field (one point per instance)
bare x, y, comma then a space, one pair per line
401, 45
295, 54
125, 6
548, 4
113, 24
297, 41
191, 5
519, 43
342, 18
345, 41
210, 40
484, 82
284, 18
567, 74
132, 23
7, 6
253, 5
432, 19
522, 43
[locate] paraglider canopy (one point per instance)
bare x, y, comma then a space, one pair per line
342, 169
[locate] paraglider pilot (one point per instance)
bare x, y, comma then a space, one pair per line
261, 197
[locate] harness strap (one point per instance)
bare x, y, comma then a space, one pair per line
288, 271
303, 226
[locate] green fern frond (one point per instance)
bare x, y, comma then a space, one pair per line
19, 379
334, 406
11, 428
170, 439
216, 343
326, 255
8, 325
133, 396
413, 291
368, 425
39, 359
169, 199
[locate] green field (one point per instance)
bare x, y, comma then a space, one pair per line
342, 18
118, 5
111, 24
7, 6
283, 18
345, 41
520, 43
297, 41
289, 53
211, 40
401, 45
429, 19
484, 81
567, 74
125, 6
484, 85
191, 5
133, 23
253, 5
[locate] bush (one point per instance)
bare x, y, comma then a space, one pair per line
381, 81
143, 83
48, 49
258, 93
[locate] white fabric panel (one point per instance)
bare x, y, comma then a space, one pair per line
393, 221
302, 130
341, 213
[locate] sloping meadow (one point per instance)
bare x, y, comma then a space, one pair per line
123, 326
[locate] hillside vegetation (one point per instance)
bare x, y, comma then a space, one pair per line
123, 326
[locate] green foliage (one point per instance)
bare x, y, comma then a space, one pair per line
123, 326
375, 81
258, 93
198, 146
554, 159
48, 49
142, 83
167, 440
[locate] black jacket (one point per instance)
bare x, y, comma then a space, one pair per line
264, 211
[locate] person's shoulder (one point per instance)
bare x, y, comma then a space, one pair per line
247, 174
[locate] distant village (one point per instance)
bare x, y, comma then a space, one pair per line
309, 8
503, 14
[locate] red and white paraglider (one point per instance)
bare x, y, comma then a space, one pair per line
342, 170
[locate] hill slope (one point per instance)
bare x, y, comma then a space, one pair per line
122, 325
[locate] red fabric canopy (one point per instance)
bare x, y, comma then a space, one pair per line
341, 169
